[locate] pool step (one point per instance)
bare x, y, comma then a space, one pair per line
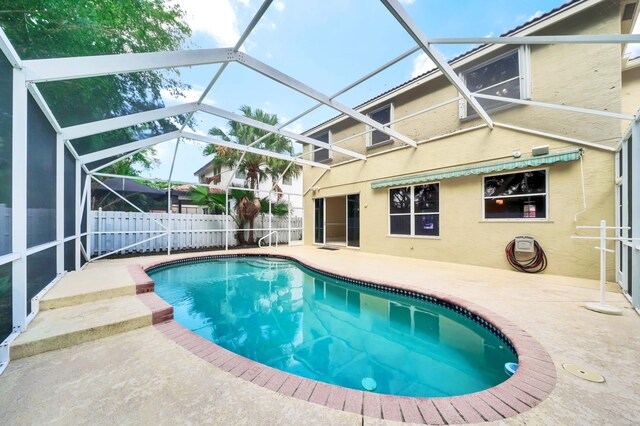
71, 325
89, 285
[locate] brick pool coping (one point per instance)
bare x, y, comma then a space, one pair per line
533, 381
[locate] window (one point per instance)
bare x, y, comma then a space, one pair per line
241, 174
516, 196
505, 76
287, 180
415, 210
321, 154
383, 116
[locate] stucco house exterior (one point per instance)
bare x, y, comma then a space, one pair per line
467, 190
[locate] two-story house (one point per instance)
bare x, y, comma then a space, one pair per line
467, 190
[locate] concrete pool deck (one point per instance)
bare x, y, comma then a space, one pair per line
142, 376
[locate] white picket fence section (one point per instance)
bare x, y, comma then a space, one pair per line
115, 230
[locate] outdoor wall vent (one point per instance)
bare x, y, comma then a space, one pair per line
540, 150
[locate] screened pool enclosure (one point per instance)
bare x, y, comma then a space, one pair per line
50, 170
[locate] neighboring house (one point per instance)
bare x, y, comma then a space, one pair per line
223, 177
468, 190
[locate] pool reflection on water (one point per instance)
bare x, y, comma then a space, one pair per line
286, 316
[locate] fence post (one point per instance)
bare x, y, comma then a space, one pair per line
98, 229
270, 216
289, 217
226, 219
169, 227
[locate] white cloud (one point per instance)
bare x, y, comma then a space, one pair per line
536, 15
215, 18
295, 127
421, 64
279, 5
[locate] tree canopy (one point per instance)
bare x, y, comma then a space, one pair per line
256, 166
62, 28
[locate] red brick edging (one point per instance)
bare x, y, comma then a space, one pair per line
533, 381
161, 311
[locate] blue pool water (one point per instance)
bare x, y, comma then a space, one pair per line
279, 313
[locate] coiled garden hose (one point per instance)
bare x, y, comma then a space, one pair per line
536, 263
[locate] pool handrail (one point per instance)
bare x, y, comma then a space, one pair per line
268, 235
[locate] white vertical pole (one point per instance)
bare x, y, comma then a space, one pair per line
226, 219
619, 247
87, 188
98, 229
59, 203
289, 217
626, 277
19, 201
635, 210
78, 214
270, 216
603, 259
170, 218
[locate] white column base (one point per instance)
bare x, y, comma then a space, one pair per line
603, 309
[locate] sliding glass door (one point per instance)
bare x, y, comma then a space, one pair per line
318, 233
353, 220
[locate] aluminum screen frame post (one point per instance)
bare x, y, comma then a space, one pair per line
404, 19
60, 203
284, 79
56, 69
634, 180
19, 201
210, 109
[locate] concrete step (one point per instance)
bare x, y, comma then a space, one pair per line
92, 284
71, 325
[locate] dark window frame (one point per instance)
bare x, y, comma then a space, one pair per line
370, 132
313, 148
524, 77
546, 217
412, 214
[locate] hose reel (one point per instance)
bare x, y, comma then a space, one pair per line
537, 262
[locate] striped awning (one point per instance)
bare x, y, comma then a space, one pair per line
478, 169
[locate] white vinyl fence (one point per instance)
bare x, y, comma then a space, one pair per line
116, 230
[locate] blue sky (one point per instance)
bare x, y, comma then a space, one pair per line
326, 44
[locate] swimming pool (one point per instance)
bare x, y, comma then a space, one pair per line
282, 314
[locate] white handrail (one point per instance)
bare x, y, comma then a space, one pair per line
268, 235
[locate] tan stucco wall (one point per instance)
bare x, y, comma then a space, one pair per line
464, 236
579, 75
630, 92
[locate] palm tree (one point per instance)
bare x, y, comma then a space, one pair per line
257, 167
245, 206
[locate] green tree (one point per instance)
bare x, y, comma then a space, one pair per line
257, 167
61, 28
246, 206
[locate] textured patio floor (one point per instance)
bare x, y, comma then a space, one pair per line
141, 377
